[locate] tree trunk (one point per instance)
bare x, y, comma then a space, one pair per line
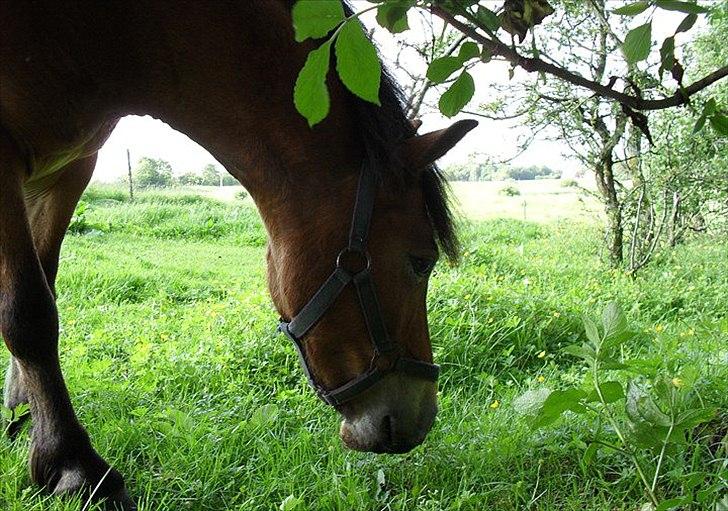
615, 234
615, 229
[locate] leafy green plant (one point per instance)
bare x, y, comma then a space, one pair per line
660, 410
79, 222
509, 191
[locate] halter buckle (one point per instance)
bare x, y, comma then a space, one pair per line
353, 267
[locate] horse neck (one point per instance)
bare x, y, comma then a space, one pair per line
230, 88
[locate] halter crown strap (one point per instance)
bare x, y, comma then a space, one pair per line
366, 292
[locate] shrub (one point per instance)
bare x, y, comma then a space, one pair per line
510, 191
569, 183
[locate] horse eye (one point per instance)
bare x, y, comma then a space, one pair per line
422, 266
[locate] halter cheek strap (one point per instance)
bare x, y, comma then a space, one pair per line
361, 278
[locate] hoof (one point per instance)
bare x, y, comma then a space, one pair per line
76, 469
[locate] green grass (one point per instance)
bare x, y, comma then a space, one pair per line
170, 354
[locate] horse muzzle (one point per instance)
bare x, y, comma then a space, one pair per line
393, 417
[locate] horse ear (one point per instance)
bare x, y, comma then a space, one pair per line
422, 150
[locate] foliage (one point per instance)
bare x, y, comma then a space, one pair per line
509, 191
79, 223
360, 71
153, 172
477, 170
657, 416
569, 183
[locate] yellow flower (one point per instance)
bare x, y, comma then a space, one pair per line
541, 379
495, 404
677, 382
557, 314
659, 328
541, 354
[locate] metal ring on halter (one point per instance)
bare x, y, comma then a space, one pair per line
348, 250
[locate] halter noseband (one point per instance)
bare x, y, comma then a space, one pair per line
324, 298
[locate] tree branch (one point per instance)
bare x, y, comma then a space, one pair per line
532, 65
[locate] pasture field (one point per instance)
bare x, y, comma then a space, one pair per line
170, 354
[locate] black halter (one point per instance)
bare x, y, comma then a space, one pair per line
324, 298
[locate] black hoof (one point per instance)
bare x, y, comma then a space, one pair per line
74, 468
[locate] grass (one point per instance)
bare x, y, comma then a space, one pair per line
170, 354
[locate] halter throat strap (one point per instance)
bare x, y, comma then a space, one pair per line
361, 277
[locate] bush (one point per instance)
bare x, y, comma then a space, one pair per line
79, 223
242, 194
510, 191
569, 183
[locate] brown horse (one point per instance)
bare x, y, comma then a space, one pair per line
223, 73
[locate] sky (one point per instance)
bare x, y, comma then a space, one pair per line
498, 140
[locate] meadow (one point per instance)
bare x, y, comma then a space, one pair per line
171, 357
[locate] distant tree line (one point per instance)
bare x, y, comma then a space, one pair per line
157, 173
475, 170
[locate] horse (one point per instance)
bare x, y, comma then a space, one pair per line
222, 73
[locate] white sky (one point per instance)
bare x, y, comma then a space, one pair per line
145, 136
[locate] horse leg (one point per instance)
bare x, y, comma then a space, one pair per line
61, 456
49, 215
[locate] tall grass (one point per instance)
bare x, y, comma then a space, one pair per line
172, 361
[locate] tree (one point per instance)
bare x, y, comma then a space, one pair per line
152, 172
359, 69
189, 179
595, 80
211, 175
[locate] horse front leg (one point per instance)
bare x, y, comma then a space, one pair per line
61, 458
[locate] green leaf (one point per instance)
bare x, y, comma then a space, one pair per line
592, 332
700, 123
611, 364
611, 392
667, 505
440, 69
667, 53
557, 403
357, 62
691, 418
719, 122
637, 43
393, 15
687, 23
316, 18
457, 96
677, 5
469, 50
589, 454
488, 18
530, 402
290, 503
641, 408
310, 94
584, 351
710, 106
613, 320
632, 9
